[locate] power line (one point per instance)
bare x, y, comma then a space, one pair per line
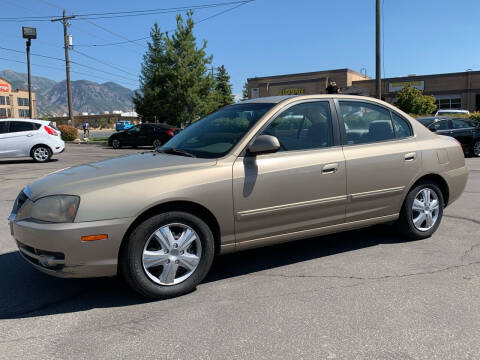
104, 62
118, 14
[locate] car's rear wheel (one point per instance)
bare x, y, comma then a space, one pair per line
167, 255
41, 153
476, 148
422, 211
116, 144
157, 143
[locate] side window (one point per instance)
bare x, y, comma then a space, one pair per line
365, 122
3, 127
439, 125
460, 124
134, 130
2, 100
18, 126
303, 126
402, 128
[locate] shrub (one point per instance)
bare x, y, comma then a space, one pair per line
412, 101
475, 116
69, 133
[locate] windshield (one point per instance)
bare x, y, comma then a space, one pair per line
216, 134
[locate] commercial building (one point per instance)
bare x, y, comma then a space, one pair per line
106, 120
14, 103
452, 90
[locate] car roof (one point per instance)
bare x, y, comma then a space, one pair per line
43, 122
453, 111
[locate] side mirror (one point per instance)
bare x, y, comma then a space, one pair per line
264, 144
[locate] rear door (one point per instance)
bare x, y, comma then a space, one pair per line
464, 132
381, 159
145, 136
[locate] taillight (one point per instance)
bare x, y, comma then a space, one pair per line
170, 132
50, 131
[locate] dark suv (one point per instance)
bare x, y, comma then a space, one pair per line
143, 135
467, 132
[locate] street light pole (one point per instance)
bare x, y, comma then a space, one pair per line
29, 33
378, 75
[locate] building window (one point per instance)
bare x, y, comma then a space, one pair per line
450, 103
22, 101
9, 112
3, 113
23, 113
2, 100
8, 100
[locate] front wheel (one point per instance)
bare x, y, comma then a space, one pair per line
476, 148
157, 143
167, 255
422, 211
41, 153
116, 144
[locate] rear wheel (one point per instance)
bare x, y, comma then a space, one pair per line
41, 153
116, 144
167, 255
422, 211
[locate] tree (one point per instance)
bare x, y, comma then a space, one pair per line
223, 87
175, 86
245, 91
412, 101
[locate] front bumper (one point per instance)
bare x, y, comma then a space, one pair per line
57, 249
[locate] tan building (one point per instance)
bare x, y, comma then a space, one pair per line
452, 91
303, 83
14, 103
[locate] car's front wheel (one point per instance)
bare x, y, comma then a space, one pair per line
157, 143
116, 144
41, 153
476, 148
167, 255
422, 211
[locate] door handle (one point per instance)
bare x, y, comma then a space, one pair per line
29, 135
330, 168
410, 156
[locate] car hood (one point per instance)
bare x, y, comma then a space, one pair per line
108, 173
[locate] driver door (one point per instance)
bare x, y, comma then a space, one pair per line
131, 136
297, 190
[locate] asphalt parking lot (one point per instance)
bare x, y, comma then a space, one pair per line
363, 294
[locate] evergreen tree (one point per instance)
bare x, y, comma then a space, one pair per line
223, 87
175, 84
245, 91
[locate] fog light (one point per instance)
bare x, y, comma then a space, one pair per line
47, 261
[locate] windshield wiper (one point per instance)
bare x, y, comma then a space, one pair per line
174, 151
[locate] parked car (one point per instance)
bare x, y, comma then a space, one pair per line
123, 125
142, 135
37, 139
467, 132
452, 112
255, 173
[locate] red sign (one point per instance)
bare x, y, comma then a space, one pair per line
4, 87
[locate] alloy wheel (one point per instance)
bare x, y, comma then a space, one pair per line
476, 148
171, 254
157, 143
425, 209
41, 154
116, 143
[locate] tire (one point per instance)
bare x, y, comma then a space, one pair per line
116, 144
41, 153
147, 262
410, 222
476, 148
157, 143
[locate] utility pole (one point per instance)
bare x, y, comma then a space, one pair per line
29, 33
64, 19
377, 50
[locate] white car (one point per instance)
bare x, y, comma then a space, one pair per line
38, 139
451, 112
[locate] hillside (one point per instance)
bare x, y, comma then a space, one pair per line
87, 96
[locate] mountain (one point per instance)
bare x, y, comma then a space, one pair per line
87, 96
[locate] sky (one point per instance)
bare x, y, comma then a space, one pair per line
260, 38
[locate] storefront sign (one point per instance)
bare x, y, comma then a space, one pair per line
399, 85
292, 91
4, 87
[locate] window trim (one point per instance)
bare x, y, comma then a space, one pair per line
336, 141
343, 132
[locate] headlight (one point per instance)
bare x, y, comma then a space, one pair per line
55, 208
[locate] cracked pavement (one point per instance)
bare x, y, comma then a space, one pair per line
363, 294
